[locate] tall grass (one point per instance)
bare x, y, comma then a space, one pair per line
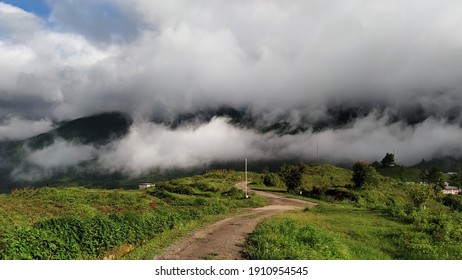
288, 239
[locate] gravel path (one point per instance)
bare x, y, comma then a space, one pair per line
224, 240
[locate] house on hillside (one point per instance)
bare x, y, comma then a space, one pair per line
449, 189
143, 186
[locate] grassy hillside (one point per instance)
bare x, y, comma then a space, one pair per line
325, 175
405, 174
391, 221
80, 223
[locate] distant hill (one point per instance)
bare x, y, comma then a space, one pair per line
97, 130
102, 129
445, 164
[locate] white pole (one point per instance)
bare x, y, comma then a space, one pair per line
246, 192
317, 147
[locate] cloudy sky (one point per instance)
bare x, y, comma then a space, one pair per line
398, 63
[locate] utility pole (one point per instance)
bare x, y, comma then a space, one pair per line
246, 191
317, 148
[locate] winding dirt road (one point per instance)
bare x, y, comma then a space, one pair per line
224, 240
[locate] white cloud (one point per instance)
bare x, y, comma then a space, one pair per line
150, 146
278, 58
62, 154
16, 129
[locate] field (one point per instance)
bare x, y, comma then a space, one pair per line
80, 223
392, 220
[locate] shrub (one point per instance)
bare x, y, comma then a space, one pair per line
270, 179
292, 176
452, 201
364, 175
204, 186
341, 194
233, 193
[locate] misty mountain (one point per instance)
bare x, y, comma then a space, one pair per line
97, 131
112, 150
445, 164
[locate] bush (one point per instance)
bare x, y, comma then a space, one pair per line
292, 176
73, 238
179, 189
205, 187
364, 175
341, 194
270, 179
233, 192
452, 201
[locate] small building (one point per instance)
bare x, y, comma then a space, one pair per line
143, 186
450, 189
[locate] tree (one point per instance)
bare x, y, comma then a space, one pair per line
456, 179
420, 194
270, 179
388, 160
364, 175
431, 176
292, 176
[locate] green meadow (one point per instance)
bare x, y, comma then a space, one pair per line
389, 219
80, 223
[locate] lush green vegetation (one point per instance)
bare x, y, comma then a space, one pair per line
292, 239
405, 174
387, 220
79, 223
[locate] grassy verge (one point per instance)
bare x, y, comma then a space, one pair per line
327, 231
346, 231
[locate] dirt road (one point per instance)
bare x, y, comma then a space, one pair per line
224, 240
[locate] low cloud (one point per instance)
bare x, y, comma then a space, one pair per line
149, 146
62, 154
152, 146
17, 129
368, 77
155, 146
58, 157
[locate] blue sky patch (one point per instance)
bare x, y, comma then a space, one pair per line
38, 7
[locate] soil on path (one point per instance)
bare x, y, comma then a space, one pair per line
225, 239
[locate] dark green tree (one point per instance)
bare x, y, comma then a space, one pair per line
423, 175
431, 176
364, 175
456, 179
376, 164
270, 179
292, 175
388, 160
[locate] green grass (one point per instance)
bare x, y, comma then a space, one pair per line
405, 174
80, 223
327, 231
325, 175
391, 221
292, 239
